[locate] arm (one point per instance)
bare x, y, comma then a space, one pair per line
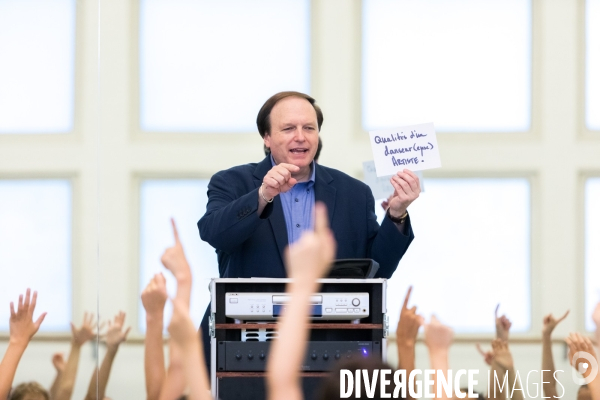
154, 297
386, 244
236, 207
406, 335
79, 336
438, 339
113, 338
185, 342
578, 343
549, 382
306, 260
174, 260
22, 328
175, 381
58, 361
389, 242
503, 364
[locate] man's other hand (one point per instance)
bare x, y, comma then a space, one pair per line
406, 189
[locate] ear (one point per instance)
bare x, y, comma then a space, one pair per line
267, 140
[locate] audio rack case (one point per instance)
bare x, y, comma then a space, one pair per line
227, 383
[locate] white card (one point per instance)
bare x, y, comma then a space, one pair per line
412, 147
381, 186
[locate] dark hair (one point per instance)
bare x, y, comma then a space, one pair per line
330, 388
317, 154
263, 120
26, 388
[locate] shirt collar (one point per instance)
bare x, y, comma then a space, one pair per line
311, 180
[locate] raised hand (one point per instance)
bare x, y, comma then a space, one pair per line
174, 258
278, 180
386, 203
406, 189
579, 343
438, 337
58, 360
503, 325
550, 323
154, 295
84, 333
310, 257
115, 335
488, 356
22, 326
501, 354
409, 323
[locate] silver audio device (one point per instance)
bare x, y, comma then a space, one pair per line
269, 306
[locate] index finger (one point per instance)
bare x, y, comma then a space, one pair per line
175, 233
290, 167
479, 349
405, 306
563, 317
321, 219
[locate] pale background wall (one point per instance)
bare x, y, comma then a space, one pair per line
106, 154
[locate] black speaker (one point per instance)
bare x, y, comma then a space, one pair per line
354, 268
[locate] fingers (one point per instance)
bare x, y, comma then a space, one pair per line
280, 178
289, 184
33, 303
27, 299
321, 218
126, 333
160, 278
563, 317
480, 350
290, 167
12, 310
401, 186
39, 321
175, 233
547, 319
407, 298
410, 178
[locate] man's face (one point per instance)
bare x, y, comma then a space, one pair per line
294, 135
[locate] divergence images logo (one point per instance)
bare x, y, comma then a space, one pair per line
583, 367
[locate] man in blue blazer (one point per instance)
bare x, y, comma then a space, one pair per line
255, 210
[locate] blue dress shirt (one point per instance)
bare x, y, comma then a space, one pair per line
298, 203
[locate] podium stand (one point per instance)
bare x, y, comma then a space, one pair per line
239, 349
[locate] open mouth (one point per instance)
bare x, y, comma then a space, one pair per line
299, 151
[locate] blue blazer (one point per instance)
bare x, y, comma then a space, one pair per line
249, 245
